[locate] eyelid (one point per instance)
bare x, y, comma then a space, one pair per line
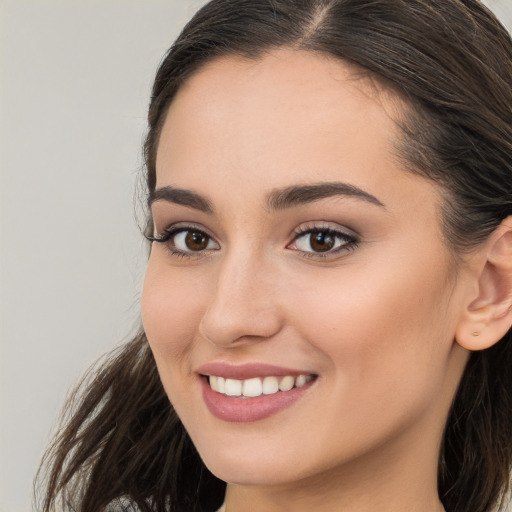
322, 225
348, 235
349, 238
166, 235
172, 229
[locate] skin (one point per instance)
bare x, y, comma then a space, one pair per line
375, 321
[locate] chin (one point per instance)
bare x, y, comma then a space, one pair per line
251, 472
240, 461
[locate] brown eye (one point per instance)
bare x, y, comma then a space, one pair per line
185, 241
191, 240
196, 240
321, 241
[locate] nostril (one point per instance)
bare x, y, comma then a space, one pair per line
229, 327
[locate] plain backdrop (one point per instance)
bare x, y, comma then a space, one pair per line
74, 87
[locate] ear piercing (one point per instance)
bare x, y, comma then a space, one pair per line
475, 333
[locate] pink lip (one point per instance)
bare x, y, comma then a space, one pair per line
245, 410
247, 371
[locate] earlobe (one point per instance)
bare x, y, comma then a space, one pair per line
488, 316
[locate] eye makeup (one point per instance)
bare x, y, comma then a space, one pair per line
312, 240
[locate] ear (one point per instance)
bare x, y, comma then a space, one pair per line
488, 315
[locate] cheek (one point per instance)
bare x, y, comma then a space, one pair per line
385, 331
171, 311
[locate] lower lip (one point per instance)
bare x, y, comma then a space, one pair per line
245, 410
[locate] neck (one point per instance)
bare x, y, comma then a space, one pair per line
265, 500
398, 477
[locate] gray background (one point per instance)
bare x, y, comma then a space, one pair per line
74, 85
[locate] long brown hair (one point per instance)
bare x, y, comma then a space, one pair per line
451, 61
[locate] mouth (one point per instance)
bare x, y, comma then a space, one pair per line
252, 392
257, 386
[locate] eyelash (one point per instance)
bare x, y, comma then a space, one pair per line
350, 242
167, 235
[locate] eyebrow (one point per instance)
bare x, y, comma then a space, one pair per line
278, 199
182, 197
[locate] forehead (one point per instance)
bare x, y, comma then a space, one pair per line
283, 81
287, 117
308, 72
288, 93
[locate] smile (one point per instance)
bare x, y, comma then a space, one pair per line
257, 386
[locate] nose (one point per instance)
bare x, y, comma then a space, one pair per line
243, 307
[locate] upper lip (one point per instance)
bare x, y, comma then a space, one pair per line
247, 370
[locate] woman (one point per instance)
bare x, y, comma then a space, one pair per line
328, 297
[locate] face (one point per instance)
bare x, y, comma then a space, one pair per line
299, 264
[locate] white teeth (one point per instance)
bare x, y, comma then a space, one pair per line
270, 385
256, 386
252, 387
286, 383
233, 387
300, 381
218, 384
